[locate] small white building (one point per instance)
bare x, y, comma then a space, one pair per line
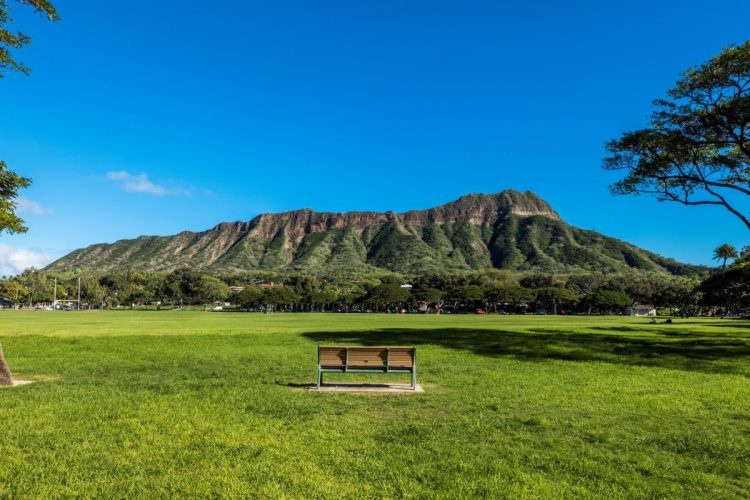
640, 310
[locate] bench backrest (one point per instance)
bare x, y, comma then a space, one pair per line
366, 356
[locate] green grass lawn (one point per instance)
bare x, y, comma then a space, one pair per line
156, 404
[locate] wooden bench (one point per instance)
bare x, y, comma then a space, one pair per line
365, 359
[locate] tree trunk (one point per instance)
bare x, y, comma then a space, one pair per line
5, 376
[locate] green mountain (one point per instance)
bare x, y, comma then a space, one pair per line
508, 230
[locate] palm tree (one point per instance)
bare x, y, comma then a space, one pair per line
724, 252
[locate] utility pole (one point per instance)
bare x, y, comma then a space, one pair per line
54, 296
79, 293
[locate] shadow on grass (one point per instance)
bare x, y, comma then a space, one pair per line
690, 352
736, 329
297, 385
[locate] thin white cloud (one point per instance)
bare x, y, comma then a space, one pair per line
136, 183
14, 260
142, 184
30, 207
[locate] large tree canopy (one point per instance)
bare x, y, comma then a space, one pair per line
697, 148
10, 182
728, 289
10, 40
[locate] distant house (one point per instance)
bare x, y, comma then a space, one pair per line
640, 310
236, 289
270, 285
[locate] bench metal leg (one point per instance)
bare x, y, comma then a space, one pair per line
320, 369
414, 369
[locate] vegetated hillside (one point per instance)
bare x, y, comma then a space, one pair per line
508, 230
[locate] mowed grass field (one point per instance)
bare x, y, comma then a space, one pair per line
157, 404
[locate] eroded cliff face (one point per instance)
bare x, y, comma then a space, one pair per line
298, 224
477, 209
510, 229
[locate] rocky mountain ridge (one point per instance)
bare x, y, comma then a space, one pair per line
510, 229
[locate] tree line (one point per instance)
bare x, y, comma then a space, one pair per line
490, 291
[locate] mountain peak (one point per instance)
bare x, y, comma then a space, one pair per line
509, 201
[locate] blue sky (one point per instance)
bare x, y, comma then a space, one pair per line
148, 117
